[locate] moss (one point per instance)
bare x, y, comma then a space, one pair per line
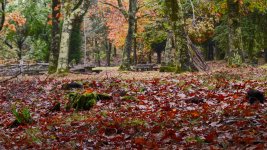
167, 69
81, 101
235, 61
85, 101
52, 69
63, 71
125, 68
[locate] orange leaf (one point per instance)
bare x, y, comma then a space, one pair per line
88, 91
195, 114
140, 141
49, 22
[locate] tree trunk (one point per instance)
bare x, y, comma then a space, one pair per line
150, 56
108, 52
158, 57
75, 45
126, 60
55, 37
2, 14
64, 46
135, 43
115, 52
265, 40
97, 54
77, 11
168, 49
209, 50
183, 62
234, 37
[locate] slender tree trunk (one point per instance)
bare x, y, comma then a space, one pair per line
158, 57
168, 49
150, 56
234, 37
97, 54
265, 40
108, 52
126, 60
2, 13
135, 43
115, 52
209, 50
55, 37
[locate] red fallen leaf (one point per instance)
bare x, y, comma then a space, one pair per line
141, 97
171, 114
211, 136
156, 129
235, 96
205, 106
139, 141
117, 138
169, 133
74, 123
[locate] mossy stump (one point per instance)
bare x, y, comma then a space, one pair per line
85, 101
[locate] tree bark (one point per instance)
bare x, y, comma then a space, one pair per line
2, 13
135, 43
108, 52
69, 15
265, 41
64, 46
115, 52
97, 54
183, 61
126, 60
150, 56
168, 49
234, 37
55, 37
158, 57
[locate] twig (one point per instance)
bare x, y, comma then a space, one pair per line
11, 77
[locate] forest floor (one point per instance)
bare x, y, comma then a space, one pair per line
201, 110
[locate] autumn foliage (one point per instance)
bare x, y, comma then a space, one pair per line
188, 111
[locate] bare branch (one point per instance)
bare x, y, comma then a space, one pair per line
119, 7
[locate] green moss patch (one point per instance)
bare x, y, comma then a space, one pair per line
167, 69
85, 101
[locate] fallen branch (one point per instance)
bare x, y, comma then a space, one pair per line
13, 77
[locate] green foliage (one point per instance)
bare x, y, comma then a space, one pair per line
22, 116
33, 33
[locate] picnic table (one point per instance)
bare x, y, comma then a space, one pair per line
146, 67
